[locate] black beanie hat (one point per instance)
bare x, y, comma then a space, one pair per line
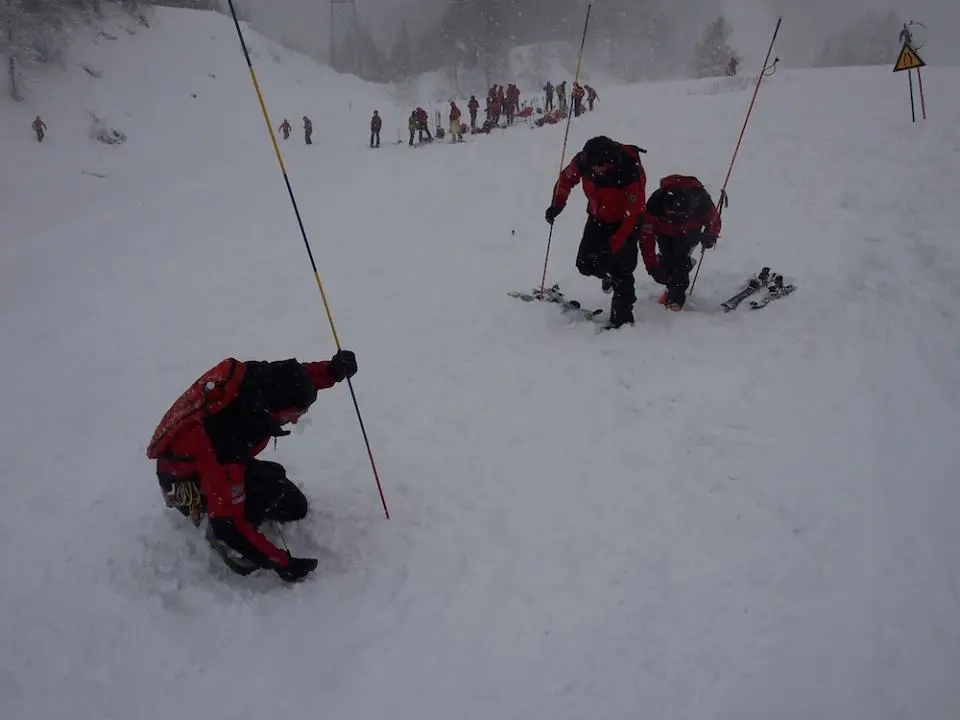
285, 385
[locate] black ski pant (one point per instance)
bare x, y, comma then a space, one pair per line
374, 136
271, 495
596, 259
675, 260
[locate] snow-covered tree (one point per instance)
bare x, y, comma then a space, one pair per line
713, 54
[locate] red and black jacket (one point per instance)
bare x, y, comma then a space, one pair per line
617, 196
214, 448
699, 215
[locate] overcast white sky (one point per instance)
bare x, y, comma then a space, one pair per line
307, 22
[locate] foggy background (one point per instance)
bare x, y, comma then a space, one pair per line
473, 41
809, 26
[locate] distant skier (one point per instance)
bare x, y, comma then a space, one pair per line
307, 130
206, 447
732, 66
577, 100
474, 107
285, 128
562, 96
455, 115
39, 127
591, 96
423, 125
614, 182
375, 124
548, 97
680, 215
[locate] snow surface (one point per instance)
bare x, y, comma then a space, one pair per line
742, 516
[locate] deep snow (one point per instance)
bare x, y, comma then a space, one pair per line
738, 516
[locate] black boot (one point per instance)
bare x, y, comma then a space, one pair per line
621, 306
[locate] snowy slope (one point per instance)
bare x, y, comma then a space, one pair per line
736, 516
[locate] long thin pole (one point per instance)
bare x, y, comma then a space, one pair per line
566, 135
722, 201
923, 103
306, 243
913, 110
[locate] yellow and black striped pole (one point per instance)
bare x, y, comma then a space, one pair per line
306, 243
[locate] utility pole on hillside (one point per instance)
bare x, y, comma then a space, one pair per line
349, 14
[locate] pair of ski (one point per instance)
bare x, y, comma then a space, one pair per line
553, 295
773, 283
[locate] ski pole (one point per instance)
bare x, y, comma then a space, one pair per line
723, 201
566, 135
306, 242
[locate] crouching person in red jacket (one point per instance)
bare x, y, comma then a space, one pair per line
615, 184
206, 447
680, 215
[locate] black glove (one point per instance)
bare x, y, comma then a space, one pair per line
690, 239
342, 365
297, 569
551, 214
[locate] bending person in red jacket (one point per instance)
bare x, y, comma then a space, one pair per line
680, 215
615, 185
206, 444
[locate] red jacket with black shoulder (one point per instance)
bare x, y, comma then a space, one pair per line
616, 196
699, 214
224, 420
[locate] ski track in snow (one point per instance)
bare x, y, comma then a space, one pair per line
706, 516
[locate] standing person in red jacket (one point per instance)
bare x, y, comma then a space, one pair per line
577, 100
614, 182
680, 215
206, 447
592, 96
285, 128
473, 106
455, 114
375, 124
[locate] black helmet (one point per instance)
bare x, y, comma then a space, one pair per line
599, 156
600, 150
284, 384
679, 203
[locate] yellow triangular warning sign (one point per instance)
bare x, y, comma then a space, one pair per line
908, 59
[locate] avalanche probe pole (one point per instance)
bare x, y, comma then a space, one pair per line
303, 234
566, 134
722, 201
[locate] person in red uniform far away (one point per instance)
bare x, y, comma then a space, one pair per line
206, 447
680, 215
614, 182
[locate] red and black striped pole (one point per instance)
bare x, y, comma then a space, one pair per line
722, 200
